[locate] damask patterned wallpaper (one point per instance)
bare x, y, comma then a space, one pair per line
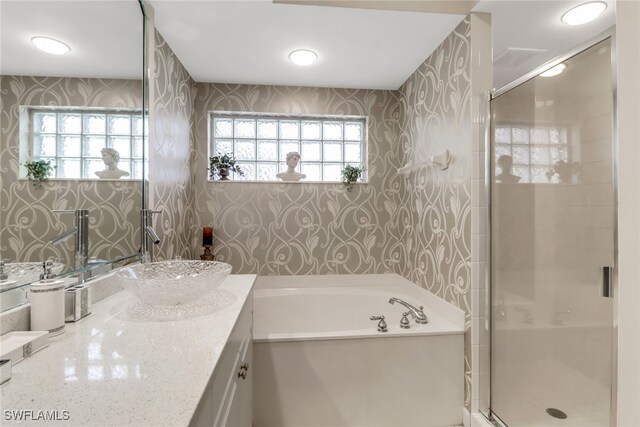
27, 224
170, 153
435, 116
283, 229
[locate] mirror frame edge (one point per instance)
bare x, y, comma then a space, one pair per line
148, 63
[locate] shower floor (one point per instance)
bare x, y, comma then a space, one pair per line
550, 384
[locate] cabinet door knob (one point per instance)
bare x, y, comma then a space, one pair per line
245, 366
242, 374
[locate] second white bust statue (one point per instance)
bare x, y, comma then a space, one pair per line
110, 157
292, 163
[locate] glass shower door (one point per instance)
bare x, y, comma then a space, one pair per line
552, 222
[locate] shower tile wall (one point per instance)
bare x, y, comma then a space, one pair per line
551, 238
481, 84
558, 217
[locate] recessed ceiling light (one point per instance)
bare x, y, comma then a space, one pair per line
303, 57
49, 45
554, 71
584, 13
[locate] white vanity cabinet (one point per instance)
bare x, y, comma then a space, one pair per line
227, 398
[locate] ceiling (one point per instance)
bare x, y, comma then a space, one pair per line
459, 7
241, 41
249, 42
105, 38
520, 28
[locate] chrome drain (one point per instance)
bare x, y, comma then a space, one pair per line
556, 413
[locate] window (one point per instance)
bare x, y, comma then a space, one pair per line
72, 140
260, 144
534, 151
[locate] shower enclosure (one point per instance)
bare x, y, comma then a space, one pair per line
553, 245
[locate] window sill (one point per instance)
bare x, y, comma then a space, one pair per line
84, 180
237, 181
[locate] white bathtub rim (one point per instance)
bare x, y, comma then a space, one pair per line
445, 309
350, 335
320, 280
437, 324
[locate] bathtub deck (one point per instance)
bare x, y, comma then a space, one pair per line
339, 307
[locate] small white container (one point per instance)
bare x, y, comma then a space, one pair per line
47, 306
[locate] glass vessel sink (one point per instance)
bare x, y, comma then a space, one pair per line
21, 273
173, 283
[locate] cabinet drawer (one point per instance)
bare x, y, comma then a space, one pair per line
210, 408
235, 409
238, 407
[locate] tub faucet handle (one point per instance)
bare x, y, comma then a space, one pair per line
382, 325
404, 322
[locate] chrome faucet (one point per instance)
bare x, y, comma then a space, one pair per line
47, 273
81, 250
416, 313
147, 233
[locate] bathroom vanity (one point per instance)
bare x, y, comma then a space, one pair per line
127, 367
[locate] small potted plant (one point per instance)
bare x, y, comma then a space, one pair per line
38, 171
350, 175
223, 165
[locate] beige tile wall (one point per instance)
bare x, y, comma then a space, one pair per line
550, 240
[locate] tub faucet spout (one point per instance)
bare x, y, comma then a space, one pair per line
416, 313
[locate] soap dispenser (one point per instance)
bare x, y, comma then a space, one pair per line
47, 302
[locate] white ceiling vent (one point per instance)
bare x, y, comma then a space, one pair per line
515, 56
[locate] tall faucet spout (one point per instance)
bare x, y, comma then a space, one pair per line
81, 231
147, 233
152, 234
416, 313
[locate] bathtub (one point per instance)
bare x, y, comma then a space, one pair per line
320, 361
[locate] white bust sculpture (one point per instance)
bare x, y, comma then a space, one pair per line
110, 157
292, 163
505, 163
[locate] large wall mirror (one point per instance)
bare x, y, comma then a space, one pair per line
72, 108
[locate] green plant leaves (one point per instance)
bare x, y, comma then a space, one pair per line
350, 175
224, 161
38, 171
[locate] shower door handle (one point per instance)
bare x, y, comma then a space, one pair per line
607, 282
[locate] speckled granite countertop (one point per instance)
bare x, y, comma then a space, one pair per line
124, 366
